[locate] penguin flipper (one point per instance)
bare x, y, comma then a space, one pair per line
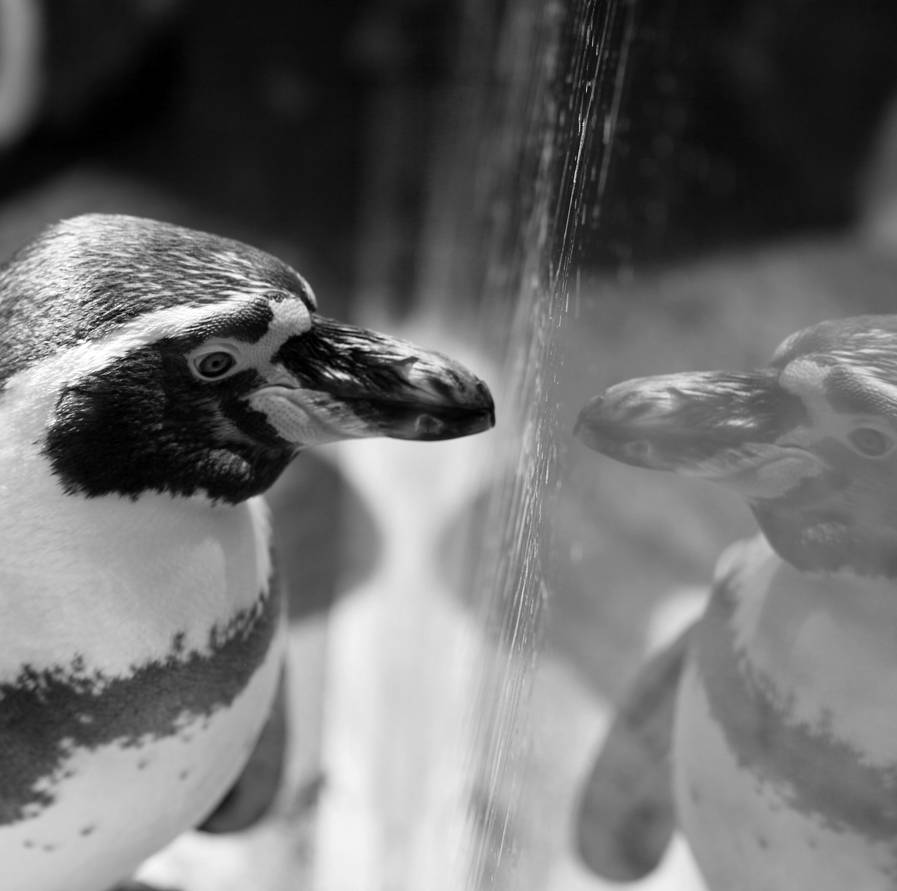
252, 795
626, 816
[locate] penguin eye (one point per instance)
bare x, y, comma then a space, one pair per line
870, 442
214, 365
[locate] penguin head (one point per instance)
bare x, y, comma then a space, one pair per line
152, 358
810, 440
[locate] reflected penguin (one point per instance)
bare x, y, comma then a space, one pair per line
777, 706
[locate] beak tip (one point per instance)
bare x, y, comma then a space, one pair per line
488, 404
587, 423
482, 406
468, 411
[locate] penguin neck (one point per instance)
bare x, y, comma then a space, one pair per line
115, 580
112, 579
829, 541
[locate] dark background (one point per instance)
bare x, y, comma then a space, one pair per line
743, 120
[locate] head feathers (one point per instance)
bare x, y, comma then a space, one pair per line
83, 278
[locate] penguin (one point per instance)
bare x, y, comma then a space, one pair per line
155, 382
778, 706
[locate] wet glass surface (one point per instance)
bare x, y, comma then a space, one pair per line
639, 216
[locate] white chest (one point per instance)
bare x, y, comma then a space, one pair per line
114, 581
786, 733
139, 652
116, 804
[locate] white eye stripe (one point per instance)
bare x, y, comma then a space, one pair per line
143, 331
291, 314
290, 317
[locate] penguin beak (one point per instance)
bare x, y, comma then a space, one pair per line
722, 426
344, 382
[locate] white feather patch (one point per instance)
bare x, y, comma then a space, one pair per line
742, 830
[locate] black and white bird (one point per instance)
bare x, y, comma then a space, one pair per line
155, 382
780, 703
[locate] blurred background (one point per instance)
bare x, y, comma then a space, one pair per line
562, 194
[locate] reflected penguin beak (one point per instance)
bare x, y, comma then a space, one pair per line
717, 425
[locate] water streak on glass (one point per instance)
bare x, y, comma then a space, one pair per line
544, 116
430, 730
